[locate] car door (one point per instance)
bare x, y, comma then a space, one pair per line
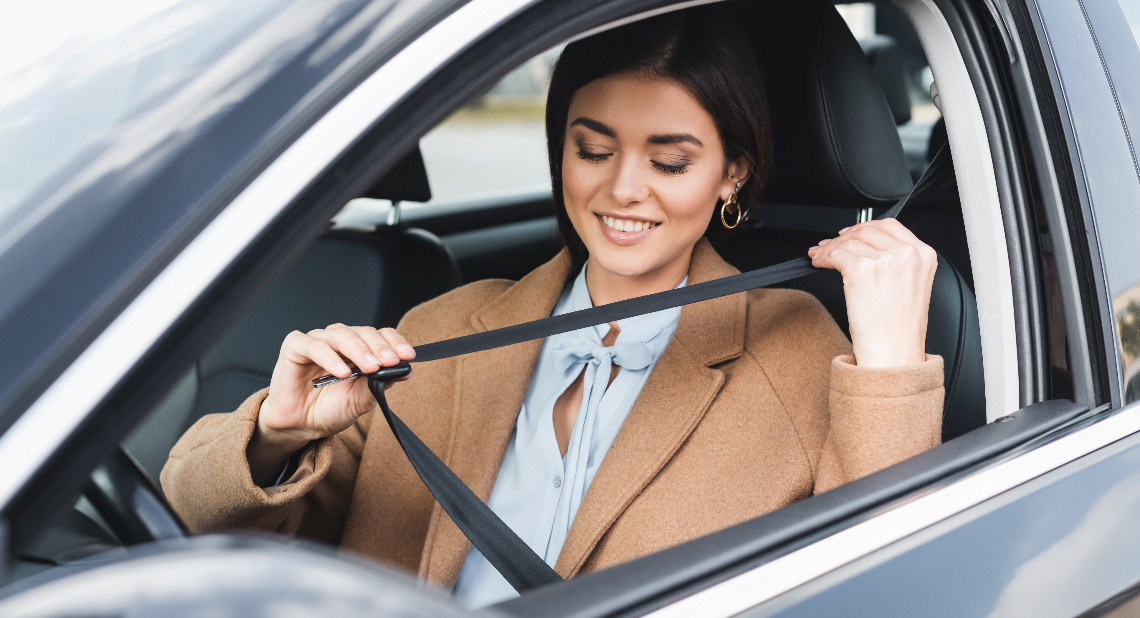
278, 199
1054, 540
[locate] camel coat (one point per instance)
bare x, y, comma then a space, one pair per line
754, 404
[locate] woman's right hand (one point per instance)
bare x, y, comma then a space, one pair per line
294, 413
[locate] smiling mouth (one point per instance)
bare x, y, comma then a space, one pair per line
627, 225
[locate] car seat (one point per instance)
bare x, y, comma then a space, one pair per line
837, 154
348, 276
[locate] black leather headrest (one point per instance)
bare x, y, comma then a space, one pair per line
834, 139
886, 58
406, 182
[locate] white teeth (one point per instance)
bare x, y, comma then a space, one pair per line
627, 225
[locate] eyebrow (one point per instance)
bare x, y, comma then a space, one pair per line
675, 138
594, 125
604, 129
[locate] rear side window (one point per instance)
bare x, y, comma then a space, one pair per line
492, 147
496, 144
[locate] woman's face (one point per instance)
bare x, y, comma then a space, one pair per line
642, 169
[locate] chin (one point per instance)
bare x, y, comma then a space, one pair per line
631, 262
622, 267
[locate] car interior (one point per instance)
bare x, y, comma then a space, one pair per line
846, 148
833, 164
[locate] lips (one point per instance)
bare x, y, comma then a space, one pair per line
625, 231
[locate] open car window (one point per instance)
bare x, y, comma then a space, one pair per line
487, 160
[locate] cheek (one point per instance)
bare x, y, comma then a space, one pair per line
579, 183
693, 201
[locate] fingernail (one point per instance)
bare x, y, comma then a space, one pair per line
388, 354
824, 241
406, 349
342, 370
372, 359
844, 229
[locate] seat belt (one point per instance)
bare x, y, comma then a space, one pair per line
510, 555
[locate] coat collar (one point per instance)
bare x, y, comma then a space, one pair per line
493, 384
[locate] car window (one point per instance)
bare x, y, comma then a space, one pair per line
496, 144
492, 147
1103, 94
1127, 305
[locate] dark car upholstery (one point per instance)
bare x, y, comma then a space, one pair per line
836, 153
888, 63
348, 276
836, 150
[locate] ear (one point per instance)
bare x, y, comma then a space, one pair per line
737, 173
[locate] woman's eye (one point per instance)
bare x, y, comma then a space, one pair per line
671, 168
586, 155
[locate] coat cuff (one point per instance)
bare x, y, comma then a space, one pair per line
883, 415
313, 465
880, 382
208, 478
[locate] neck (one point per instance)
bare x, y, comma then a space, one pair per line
606, 287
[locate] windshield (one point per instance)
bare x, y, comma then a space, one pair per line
73, 71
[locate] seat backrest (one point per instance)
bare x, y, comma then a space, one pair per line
345, 276
836, 149
886, 59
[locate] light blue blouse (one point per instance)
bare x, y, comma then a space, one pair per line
538, 491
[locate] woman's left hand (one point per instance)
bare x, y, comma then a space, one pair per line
887, 277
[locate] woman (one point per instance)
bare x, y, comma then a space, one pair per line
604, 444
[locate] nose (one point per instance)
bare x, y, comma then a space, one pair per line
629, 185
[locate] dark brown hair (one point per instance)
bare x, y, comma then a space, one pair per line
701, 49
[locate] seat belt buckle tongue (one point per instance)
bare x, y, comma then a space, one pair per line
386, 374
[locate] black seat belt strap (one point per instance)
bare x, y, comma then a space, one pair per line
509, 554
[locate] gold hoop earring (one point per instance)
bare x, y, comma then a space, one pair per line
732, 205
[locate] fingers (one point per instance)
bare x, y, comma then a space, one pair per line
386, 345
303, 348
879, 239
887, 277
897, 230
335, 347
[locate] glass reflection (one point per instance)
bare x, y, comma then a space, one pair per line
74, 71
1126, 311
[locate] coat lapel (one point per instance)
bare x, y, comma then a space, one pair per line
491, 386
490, 389
676, 396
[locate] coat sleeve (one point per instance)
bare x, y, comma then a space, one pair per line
851, 421
207, 477
879, 417
208, 482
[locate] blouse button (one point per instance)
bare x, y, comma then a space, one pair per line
557, 482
